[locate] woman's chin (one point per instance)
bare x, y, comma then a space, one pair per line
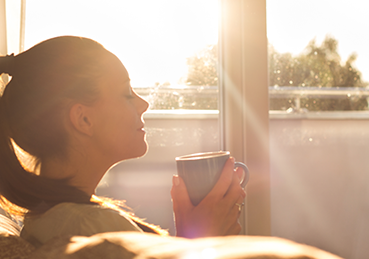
142, 153
146, 150
137, 153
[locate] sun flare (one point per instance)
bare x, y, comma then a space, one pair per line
152, 38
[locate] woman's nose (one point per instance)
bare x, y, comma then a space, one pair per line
143, 104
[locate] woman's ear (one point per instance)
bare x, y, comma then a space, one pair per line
81, 119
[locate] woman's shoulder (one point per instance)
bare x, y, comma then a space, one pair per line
76, 209
68, 211
75, 219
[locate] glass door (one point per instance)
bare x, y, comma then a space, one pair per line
319, 123
170, 51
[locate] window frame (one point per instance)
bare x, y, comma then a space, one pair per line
244, 100
244, 104
3, 31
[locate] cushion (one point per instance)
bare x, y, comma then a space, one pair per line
11, 245
14, 247
142, 245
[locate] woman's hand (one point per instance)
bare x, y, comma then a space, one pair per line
217, 214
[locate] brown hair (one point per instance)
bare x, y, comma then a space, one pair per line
44, 80
33, 105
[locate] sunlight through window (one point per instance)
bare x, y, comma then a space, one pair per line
163, 43
318, 58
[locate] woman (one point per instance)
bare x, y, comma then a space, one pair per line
68, 115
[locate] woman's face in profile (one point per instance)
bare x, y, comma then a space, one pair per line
119, 127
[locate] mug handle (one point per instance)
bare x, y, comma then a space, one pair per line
246, 171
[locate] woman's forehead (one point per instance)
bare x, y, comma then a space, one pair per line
118, 70
117, 81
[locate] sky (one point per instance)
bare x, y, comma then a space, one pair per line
153, 38
291, 24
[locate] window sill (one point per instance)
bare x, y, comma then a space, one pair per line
214, 114
181, 114
324, 115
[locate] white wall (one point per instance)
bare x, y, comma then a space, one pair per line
146, 182
320, 183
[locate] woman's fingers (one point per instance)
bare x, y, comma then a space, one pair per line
235, 193
240, 173
235, 229
233, 217
182, 205
179, 194
225, 179
217, 214
231, 204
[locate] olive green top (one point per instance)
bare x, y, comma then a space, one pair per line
74, 219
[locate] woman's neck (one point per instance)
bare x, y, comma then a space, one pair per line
83, 172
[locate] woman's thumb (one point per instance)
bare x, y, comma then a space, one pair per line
179, 194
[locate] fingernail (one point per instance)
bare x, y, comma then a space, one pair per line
175, 180
244, 194
239, 175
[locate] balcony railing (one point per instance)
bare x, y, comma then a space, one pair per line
325, 102
285, 102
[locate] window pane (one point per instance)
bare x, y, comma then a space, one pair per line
319, 127
167, 46
315, 46
170, 50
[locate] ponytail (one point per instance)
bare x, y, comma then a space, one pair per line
7, 64
31, 118
23, 191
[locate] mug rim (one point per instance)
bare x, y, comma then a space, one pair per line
202, 155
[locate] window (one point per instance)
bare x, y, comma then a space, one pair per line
168, 47
178, 131
318, 60
318, 156
319, 123
170, 51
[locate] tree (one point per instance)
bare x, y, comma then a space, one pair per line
202, 67
317, 66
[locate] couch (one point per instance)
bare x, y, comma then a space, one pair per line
136, 245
